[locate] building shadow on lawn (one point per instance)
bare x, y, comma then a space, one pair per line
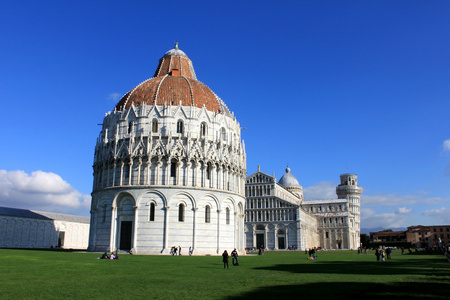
435, 267
344, 290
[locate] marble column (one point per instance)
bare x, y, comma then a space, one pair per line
194, 238
218, 231
122, 164
114, 173
139, 171
158, 172
166, 228
178, 173
147, 166
130, 172
213, 176
187, 173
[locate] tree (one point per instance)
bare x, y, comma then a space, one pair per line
364, 240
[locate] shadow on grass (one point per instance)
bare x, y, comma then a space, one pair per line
339, 290
435, 267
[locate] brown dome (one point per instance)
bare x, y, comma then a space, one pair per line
174, 83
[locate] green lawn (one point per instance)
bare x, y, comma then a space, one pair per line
33, 274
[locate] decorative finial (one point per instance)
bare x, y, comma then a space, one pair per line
259, 168
287, 169
176, 45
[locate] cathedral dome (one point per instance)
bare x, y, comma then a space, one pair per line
290, 183
289, 180
174, 83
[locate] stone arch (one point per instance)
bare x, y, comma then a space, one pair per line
212, 198
120, 196
181, 232
101, 199
184, 197
125, 205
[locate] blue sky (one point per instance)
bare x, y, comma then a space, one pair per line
320, 85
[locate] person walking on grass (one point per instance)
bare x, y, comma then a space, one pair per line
234, 256
225, 259
388, 253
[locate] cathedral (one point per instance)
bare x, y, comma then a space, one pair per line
170, 170
277, 217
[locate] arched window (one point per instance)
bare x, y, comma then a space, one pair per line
130, 127
208, 172
181, 212
173, 169
203, 129
223, 133
152, 212
155, 125
228, 216
207, 214
180, 126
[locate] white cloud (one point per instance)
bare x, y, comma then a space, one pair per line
447, 170
395, 200
404, 210
441, 216
322, 190
446, 145
44, 191
115, 97
372, 219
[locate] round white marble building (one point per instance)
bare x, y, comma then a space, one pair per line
169, 168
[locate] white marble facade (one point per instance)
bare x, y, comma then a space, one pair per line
277, 217
21, 228
167, 173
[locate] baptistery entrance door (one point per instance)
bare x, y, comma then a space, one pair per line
125, 224
126, 230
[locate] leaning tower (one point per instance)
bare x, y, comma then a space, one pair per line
349, 189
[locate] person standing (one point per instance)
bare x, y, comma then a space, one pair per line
388, 253
179, 250
234, 256
225, 259
378, 254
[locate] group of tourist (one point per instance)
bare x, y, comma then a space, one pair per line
175, 249
106, 256
382, 254
362, 250
261, 250
234, 256
312, 253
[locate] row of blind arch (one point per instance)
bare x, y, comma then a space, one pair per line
180, 128
181, 213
